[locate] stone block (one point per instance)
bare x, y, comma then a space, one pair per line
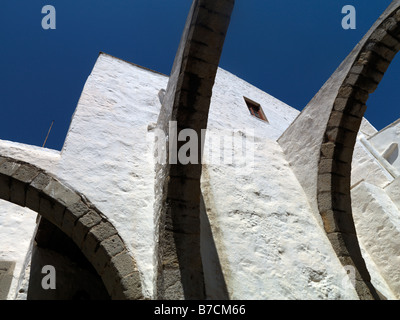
343, 153
102, 231
341, 135
351, 123
172, 286
203, 33
383, 51
61, 193
9, 167
356, 109
361, 273
382, 36
334, 201
366, 71
108, 248
5, 187
40, 181
97, 234
390, 25
129, 288
190, 82
347, 91
17, 192
360, 81
32, 200
338, 221
223, 7
77, 209
333, 182
26, 173
83, 226
216, 21
198, 65
52, 211
68, 224
3, 159
338, 244
396, 15
327, 150
119, 267
373, 61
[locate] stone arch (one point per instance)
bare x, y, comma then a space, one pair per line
29, 186
373, 56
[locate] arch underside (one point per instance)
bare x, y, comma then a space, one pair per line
334, 167
29, 186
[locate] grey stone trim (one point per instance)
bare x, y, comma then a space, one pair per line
334, 169
187, 101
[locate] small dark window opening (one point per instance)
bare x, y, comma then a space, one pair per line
255, 109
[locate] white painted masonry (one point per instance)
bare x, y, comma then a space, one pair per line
269, 244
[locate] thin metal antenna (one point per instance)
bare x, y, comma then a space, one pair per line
48, 134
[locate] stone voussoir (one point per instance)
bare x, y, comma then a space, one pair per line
356, 93
223, 7
51, 210
40, 182
129, 288
18, 192
9, 167
349, 106
390, 24
367, 71
4, 187
119, 267
26, 173
82, 227
216, 21
108, 248
340, 135
95, 236
338, 221
373, 60
380, 49
334, 201
61, 193
361, 81
382, 36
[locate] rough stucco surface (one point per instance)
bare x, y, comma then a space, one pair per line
270, 244
365, 167
228, 110
378, 225
17, 226
109, 135
383, 139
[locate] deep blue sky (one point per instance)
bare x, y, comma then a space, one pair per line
287, 48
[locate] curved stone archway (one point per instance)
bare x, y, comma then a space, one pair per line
29, 186
334, 166
319, 144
